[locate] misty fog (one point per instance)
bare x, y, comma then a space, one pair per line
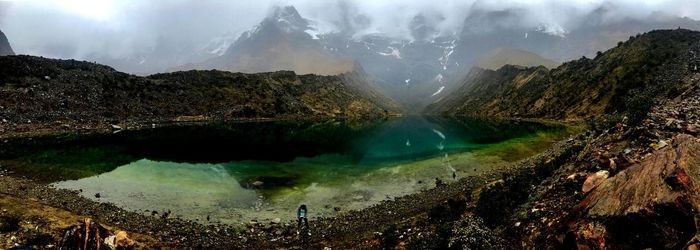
105, 30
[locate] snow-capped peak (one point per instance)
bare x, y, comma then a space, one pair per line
287, 18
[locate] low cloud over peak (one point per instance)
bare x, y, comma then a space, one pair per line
100, 29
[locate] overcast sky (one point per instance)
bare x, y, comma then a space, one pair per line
76, 28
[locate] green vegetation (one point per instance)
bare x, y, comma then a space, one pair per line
638, 106
525, 146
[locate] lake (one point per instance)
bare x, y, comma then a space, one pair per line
237, 172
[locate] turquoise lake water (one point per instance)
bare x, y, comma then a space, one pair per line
263, 170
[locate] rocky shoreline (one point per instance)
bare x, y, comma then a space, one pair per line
578, 206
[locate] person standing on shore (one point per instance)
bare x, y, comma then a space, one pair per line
302, 214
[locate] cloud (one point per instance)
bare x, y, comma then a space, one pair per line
123, 28
54, 28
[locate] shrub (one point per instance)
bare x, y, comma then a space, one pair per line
9, 223
38, 238
452, 211
637, 106
390, 237
604, 122
439, 240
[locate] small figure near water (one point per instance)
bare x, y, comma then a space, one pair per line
302, 214
454, 175
439, 182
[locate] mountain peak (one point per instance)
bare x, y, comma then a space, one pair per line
5, 48
421, 29
287, 18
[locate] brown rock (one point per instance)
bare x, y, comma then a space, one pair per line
612, 165
589, 235
652, 204
594, 180
625, 162
123, 240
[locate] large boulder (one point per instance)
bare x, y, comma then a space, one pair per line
652, 204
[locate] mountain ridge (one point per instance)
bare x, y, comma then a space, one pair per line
656, 64
49, 92
418, 71
500, 57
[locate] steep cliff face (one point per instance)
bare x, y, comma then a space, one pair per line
38, 90
5, 48
482, 88
655, 65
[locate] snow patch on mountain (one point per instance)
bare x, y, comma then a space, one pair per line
552, 29
317, 28
438, 78
218, 45
313, 33
448, 50
438, 91
392, 52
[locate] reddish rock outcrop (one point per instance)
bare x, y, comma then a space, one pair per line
651, 204
594, 180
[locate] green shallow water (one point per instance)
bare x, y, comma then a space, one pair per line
237, 172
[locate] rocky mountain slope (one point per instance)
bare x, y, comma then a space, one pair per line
498, 58
426, 66
64, 93
5, 48
279, 42
415, 68
648, 67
